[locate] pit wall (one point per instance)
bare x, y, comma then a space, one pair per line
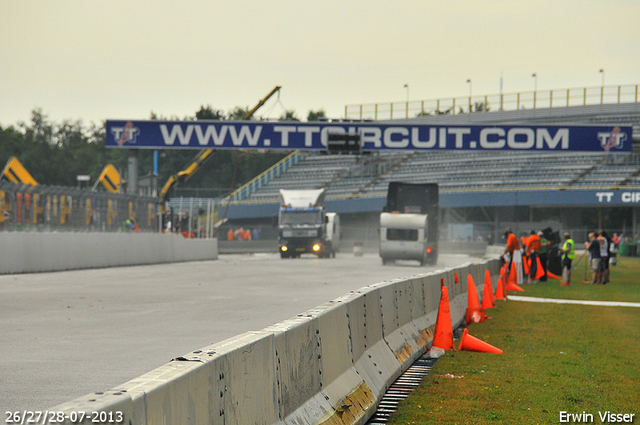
329, 365
28, 252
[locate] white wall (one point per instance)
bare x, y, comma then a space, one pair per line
44, 252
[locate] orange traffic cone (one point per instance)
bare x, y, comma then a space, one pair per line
487, 294
514, 287
456, 276
501, 290
443, 337
504, 274
512, 284
475, 312
540, 272
471, 343
526, 262
552, 275
513, 274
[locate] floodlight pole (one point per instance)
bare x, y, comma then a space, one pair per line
406, 86
602, 87
535, 88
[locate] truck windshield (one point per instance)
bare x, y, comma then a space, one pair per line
296, 218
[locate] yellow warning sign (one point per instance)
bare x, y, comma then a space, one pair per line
16, 172
110, 178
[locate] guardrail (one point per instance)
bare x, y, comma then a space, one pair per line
329, 365
265, 177
501, 102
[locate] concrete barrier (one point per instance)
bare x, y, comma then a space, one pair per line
329, 365
44, 252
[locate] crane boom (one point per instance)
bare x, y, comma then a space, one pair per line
202, 156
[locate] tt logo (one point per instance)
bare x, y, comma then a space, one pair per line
125, 134
614, 139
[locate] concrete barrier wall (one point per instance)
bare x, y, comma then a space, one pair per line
24, 252
329, 365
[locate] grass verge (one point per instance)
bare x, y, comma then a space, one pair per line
624, 285
557, 358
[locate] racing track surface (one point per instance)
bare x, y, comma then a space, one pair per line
67, 334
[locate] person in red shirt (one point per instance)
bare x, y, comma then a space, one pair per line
533, 249
512, 245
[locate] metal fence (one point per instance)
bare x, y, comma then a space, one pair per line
55, 208
496, 102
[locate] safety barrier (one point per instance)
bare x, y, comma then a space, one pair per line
28, 252
329, 365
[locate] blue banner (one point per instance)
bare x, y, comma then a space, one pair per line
555, 198
374, 137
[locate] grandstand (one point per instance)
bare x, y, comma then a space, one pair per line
349, 177
566, 183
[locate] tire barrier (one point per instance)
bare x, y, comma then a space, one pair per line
45, 252
329, 365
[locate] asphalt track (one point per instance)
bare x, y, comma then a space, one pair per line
67, 334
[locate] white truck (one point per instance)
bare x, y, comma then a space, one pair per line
304, 226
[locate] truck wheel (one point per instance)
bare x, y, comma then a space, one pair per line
283, 255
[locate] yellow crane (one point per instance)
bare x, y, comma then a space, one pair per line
201, 157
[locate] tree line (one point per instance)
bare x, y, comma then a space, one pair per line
56, 153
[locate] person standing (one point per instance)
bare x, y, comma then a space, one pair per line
604, 254
613, 249
533, 248
544, 247
568, 253
512, 249
593, 246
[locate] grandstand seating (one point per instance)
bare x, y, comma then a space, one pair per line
348, 176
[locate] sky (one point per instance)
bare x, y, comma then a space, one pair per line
93, 60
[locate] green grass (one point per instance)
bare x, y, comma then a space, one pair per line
624, 285
557, 357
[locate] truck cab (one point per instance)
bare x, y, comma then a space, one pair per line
304, 226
